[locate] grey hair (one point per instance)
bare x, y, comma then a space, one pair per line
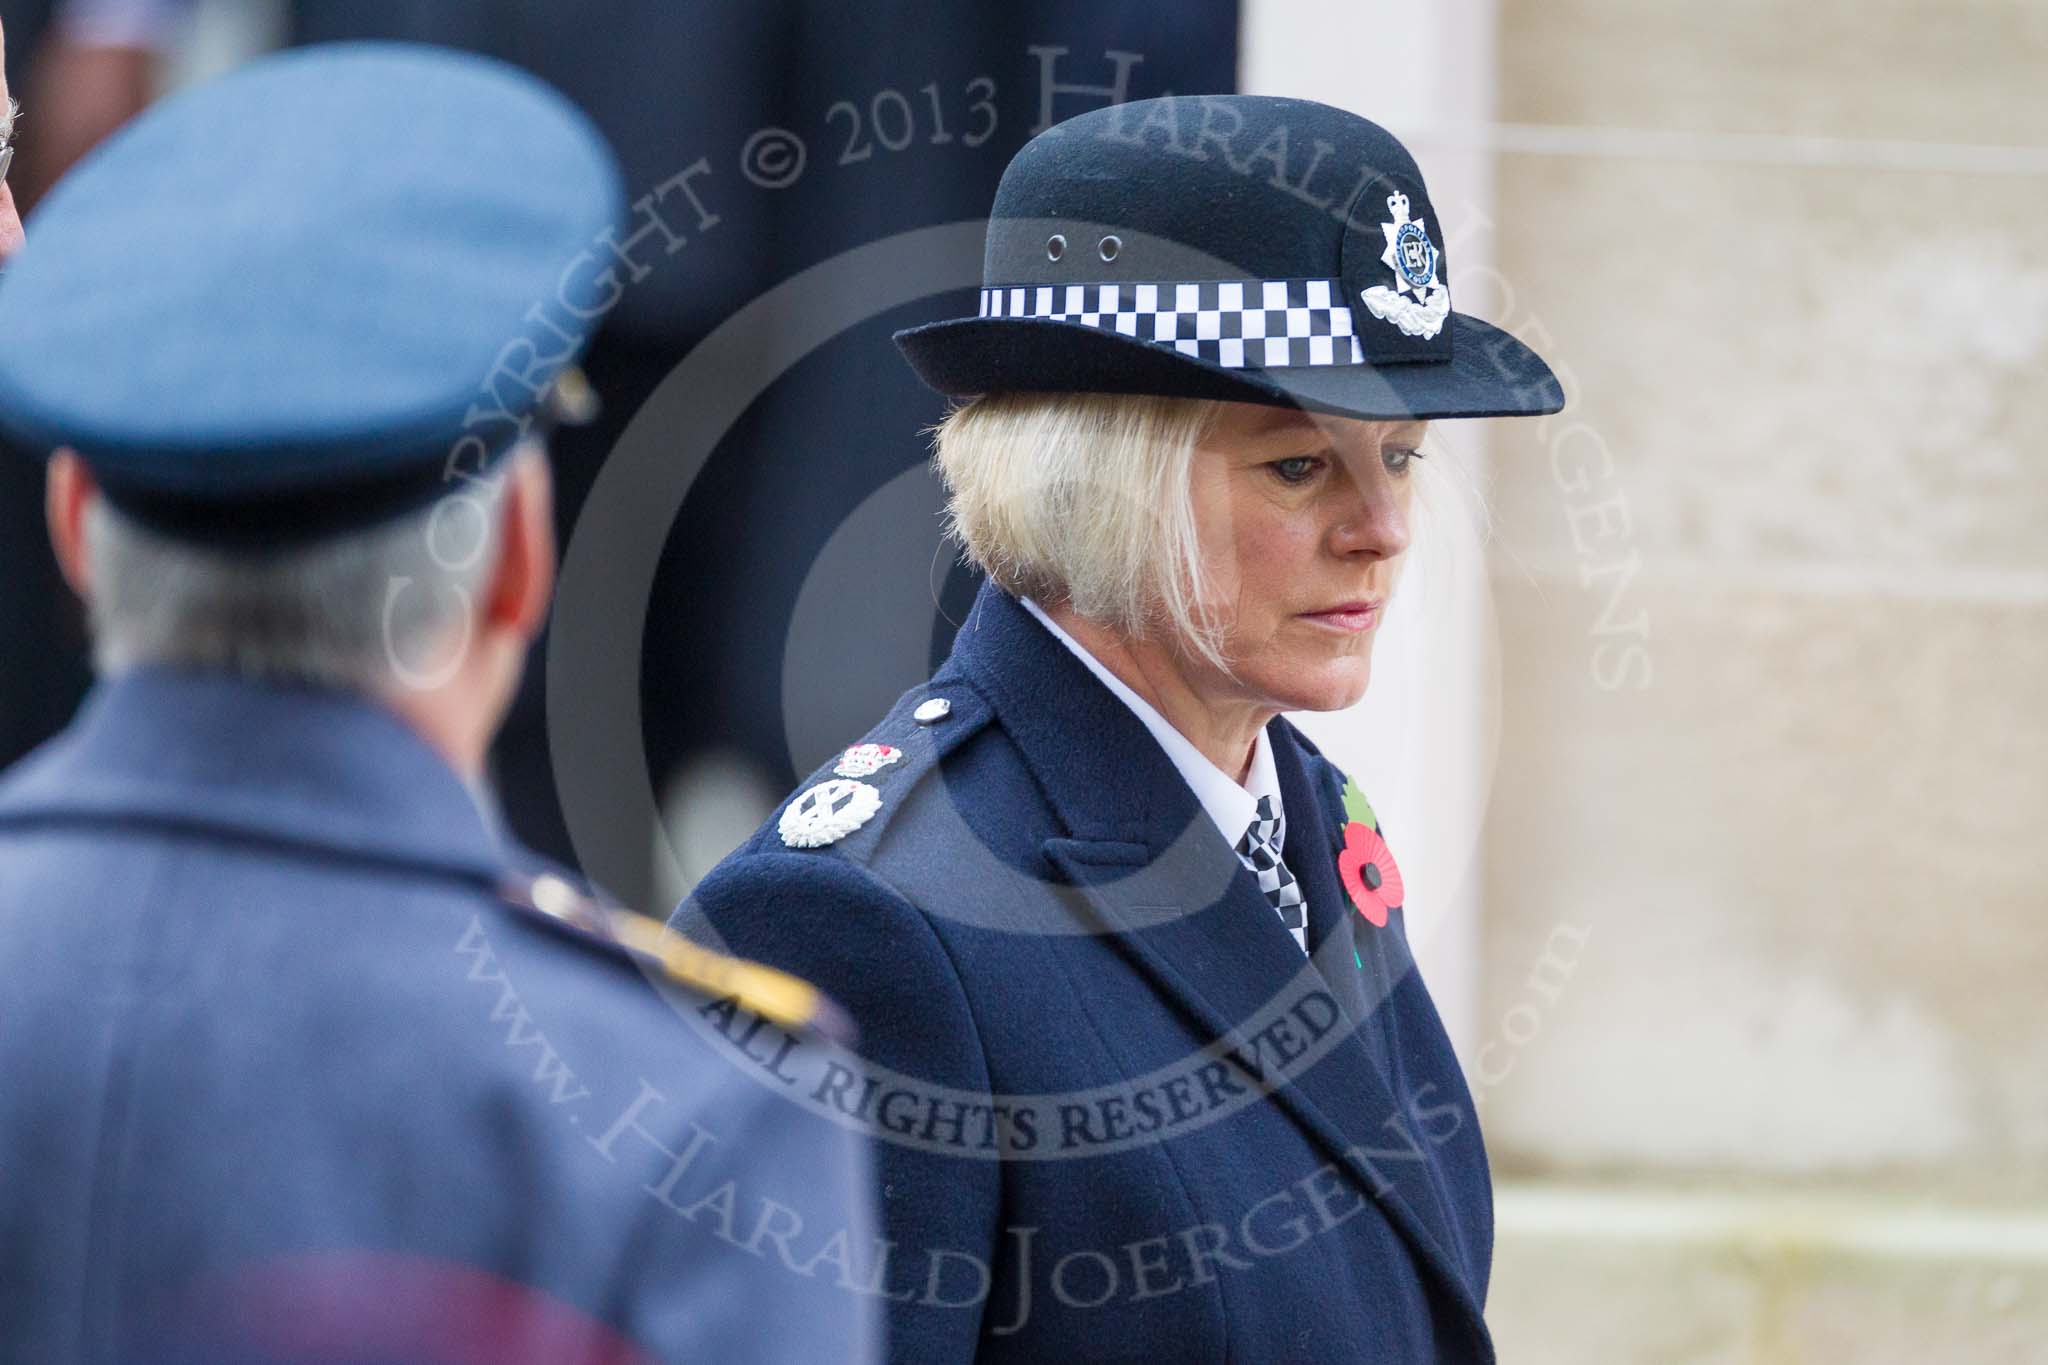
7, 117
367, 611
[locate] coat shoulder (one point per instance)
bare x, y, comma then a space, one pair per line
587, 925
873, 796
848, 881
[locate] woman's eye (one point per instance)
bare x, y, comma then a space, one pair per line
1398, 460
1296, 469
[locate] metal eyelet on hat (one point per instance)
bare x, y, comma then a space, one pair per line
1055, 247
1109, 246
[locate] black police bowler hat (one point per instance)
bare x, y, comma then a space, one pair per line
1237, 247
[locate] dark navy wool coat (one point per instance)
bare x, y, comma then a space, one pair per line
1120, 1116
282, 1078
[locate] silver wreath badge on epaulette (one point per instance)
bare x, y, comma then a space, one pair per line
828, 812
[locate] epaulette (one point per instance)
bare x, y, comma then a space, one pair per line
787, 1001
846, 804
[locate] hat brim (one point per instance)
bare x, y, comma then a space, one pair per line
1490, 373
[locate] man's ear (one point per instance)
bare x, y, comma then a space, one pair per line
523, 581
68, 491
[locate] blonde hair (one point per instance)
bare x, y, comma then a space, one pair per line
1084, 498
1087, 499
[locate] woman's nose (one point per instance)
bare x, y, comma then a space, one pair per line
1372, 523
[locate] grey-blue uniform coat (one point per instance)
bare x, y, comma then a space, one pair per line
1121, 1117
283, 1078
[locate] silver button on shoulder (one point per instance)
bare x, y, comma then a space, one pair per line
932, 710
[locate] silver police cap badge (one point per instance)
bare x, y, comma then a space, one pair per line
828, 813
1413, 259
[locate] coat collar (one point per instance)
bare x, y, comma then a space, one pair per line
1170, 892
1231, 807
1105, 776
307, 767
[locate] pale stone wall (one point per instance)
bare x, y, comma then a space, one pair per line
1800, 822
1773, 775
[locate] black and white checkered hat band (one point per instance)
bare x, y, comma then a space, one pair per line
1265, 324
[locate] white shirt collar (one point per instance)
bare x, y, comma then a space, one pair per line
1231, 806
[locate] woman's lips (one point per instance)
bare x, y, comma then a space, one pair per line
1349, 617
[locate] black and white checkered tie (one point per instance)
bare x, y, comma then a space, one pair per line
1259, 850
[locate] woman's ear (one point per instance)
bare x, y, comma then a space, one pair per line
68, 491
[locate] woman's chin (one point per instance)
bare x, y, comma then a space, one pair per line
1330, 685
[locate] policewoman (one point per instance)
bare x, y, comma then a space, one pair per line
1153, 1074
303, 1058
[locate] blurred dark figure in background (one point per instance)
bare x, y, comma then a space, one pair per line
81, 68
88, 66
303, 1059
908, 113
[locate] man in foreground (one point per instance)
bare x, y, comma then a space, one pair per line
301, 1059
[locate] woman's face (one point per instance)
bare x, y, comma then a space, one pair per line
1303, 520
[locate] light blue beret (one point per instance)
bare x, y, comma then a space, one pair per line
309, 294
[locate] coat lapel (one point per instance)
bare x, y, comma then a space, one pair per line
1172, 896
1311, 853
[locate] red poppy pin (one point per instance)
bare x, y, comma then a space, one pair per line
1366, 866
